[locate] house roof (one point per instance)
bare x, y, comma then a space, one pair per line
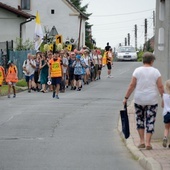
16, 11
81, 13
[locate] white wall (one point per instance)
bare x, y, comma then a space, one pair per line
9, 26
66, 24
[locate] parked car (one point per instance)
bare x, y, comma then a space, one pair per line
126, 53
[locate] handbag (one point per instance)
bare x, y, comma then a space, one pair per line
125, 122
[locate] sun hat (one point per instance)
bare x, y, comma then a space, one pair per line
10, 62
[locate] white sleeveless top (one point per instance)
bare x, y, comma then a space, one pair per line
166, 99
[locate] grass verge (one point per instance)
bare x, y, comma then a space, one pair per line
19, 87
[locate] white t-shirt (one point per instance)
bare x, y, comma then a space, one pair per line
96, 59
65, 62
166, 99
86, 60
146, 92
28, 67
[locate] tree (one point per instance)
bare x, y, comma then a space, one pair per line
88, 34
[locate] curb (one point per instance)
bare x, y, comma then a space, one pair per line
147, 163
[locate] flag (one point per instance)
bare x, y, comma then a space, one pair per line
38, 32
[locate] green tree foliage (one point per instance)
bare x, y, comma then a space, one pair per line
148, 46
20, 45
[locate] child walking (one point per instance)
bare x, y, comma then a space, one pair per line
2, 77
11, 78
166, 112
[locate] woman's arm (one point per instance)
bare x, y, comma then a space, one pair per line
160, 86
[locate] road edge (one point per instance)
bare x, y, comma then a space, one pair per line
147, 163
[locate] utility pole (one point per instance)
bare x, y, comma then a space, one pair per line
136, 37
125, 41
146, 30
128, 38
153, 23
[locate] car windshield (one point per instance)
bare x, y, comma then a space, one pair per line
126, 49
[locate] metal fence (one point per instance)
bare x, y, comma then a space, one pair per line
4, 52
18, 57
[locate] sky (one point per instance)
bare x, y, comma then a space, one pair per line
112, 20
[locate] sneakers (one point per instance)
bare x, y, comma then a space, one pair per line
109, 76
165, 141
14, 95
79, 89
56, 97
53, 94
8, 95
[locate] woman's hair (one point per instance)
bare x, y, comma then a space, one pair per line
167, 86
148, 57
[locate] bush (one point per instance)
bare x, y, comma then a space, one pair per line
21, 83
140, 54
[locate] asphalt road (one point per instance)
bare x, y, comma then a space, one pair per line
76, 132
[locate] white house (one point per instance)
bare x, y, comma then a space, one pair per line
17, 19
11, 20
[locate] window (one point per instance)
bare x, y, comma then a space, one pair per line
52, 11
25, 4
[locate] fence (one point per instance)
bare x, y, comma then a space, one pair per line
4, 49
18, 57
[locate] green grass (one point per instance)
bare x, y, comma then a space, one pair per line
19, 87
21, 83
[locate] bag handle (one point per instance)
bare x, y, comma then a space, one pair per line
125, 106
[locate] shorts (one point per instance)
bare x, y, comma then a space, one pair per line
77, 77
28, 78
100, 67
36, 77
146, 116
109, 66
56, 80
167, 118
71, 76
11, 83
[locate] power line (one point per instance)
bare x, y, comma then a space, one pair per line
118, 22
120, 14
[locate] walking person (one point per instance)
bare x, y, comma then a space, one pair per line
29, 66
100, 64
64, 59
166, 113
109, 58
146, 81
37, 71
2, 77
55, 73
87, 62
71, 69
96, 64
12, 78
44, 73
78, 71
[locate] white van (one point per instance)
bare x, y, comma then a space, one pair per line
126, 53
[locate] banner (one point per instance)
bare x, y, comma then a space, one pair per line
38, 32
